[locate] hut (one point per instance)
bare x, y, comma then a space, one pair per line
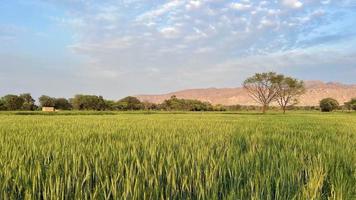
48, 109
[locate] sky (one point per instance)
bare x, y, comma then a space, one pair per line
117, 48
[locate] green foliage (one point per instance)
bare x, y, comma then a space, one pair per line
288, 91
266, 88
2, 104
46, 101
110, 105
29, 102
178, 156
351, 105
328, 105
88, 102
12, 102
220, 107
185, 105
149, 106
62, 104
129, 103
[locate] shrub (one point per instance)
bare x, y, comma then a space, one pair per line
129, 103
328, 105
351, 105
185, 105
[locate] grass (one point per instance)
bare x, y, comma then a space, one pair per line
178, 156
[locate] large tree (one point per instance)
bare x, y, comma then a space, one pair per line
46, 101
29, 102
88, 102
12, 102
328, 104
262, 88
129, 103
351, 105
288, 90
62, 104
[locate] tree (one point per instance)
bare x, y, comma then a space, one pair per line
351, 105
88, 102
149, 106
46, 101
328, 105
185, 104
110, 105
130, 103
2, 104
29, 102
12, 102
288, 90
62, 104
262, 88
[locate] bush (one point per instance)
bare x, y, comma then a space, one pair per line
185, 105
328, 105
129, 103
351, 105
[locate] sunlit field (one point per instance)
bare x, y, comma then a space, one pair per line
178, 156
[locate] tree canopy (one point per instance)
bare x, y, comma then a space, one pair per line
268, 87
328, 104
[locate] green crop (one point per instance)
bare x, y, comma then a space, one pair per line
178, 156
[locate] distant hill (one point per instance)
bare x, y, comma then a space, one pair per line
316, 90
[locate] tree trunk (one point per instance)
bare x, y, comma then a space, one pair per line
264, 109
284, 110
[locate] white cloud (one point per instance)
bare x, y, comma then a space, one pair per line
161, 10
292, 3
240, 6
265, 23
169, 32
193, 4
184, 43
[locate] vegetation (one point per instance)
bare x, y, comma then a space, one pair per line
351, 105
266, 88
28, 102
186, 105
288, 91
46, 101
62, 104
328, 105
12, 102
88, 102
182, 156
129, 103
262, 88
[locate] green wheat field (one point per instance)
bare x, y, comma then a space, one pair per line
178, 156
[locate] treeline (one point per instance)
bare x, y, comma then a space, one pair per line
92, 102
25, 102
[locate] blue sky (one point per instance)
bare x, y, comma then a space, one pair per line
116, 48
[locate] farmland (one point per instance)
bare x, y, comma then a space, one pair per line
178, 156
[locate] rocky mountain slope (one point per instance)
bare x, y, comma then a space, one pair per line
316, 90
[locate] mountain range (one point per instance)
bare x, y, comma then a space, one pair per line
315, 91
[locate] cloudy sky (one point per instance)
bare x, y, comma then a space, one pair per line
116, 48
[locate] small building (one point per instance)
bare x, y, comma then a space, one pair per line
48, 109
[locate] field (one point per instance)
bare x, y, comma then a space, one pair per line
178, 156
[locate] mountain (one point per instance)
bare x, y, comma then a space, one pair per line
315, 91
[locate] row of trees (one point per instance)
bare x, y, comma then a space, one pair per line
17, 102
92, 102
264, 88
